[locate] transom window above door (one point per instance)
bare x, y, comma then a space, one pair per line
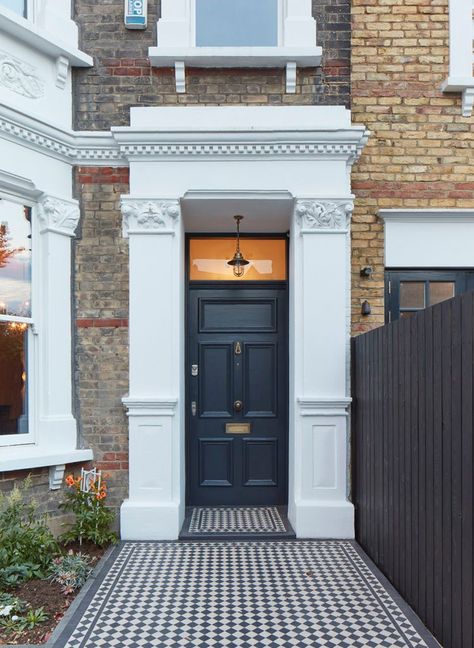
208, 259
236, 23
408, 292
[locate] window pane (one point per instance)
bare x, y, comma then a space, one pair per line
441, 290
407, 314
15, 259
209, 256
13, 378
18, 6
221, 23
412, 294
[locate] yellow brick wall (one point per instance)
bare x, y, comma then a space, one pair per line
421, 150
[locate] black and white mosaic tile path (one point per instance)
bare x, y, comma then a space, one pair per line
257, 594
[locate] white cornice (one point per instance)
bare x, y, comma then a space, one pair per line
149, 406
316, 406
123, 144
429, 215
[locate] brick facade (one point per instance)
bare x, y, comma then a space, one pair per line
101, 311
420, 153
122, 76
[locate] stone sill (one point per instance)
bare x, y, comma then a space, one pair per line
464, 85
30, 34
235, 57
28, 456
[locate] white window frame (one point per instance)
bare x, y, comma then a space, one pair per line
26, 438
48, 28
176, 46
461, 54
52, 435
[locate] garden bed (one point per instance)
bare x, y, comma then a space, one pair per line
51, 597
40, 575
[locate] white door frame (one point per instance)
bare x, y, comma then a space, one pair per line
306, 153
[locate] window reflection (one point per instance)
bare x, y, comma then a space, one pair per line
226, 23
13, 378
18, 6
209, 256
15, 259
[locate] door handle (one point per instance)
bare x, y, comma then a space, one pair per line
237, 405
193, 408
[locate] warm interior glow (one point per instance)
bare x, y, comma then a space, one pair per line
208, 259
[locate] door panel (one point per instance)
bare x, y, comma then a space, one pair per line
237, 431
260, 380
237, 316
260, 462
215, 462
215, 380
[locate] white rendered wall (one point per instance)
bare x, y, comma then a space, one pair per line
429, 238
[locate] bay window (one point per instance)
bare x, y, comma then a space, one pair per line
15, 319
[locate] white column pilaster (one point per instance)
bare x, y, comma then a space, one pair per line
318, 505
155, 508
58, 219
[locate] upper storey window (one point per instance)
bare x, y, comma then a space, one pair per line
236, 34
225, 23
18, 6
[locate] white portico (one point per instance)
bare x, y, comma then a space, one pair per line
286, 169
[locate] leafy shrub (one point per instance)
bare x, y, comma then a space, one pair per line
27, 546
70, 571
10, 604
92, 517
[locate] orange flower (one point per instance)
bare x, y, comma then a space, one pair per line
70, 480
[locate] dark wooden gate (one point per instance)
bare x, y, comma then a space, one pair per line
413, 461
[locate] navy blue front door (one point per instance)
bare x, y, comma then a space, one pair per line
237, 405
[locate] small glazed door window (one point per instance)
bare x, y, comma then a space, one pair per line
237, 23
208, 259
408, 292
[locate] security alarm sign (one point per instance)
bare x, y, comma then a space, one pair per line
136, 14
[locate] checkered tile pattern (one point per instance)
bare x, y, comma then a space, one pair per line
257, 594
241, 519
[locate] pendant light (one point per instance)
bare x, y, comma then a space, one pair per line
238, 262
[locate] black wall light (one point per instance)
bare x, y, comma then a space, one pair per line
365, 308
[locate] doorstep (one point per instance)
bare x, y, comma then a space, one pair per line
236, 523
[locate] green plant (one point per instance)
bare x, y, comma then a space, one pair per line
32, 619
13, 623
27, 546
92, 517
70, 571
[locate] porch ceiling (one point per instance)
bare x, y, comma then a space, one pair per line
263, 211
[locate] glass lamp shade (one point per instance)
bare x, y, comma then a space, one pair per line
238, 264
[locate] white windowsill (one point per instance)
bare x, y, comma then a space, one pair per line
229, 57
30, 34
27, 456
464, 85
235, 57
